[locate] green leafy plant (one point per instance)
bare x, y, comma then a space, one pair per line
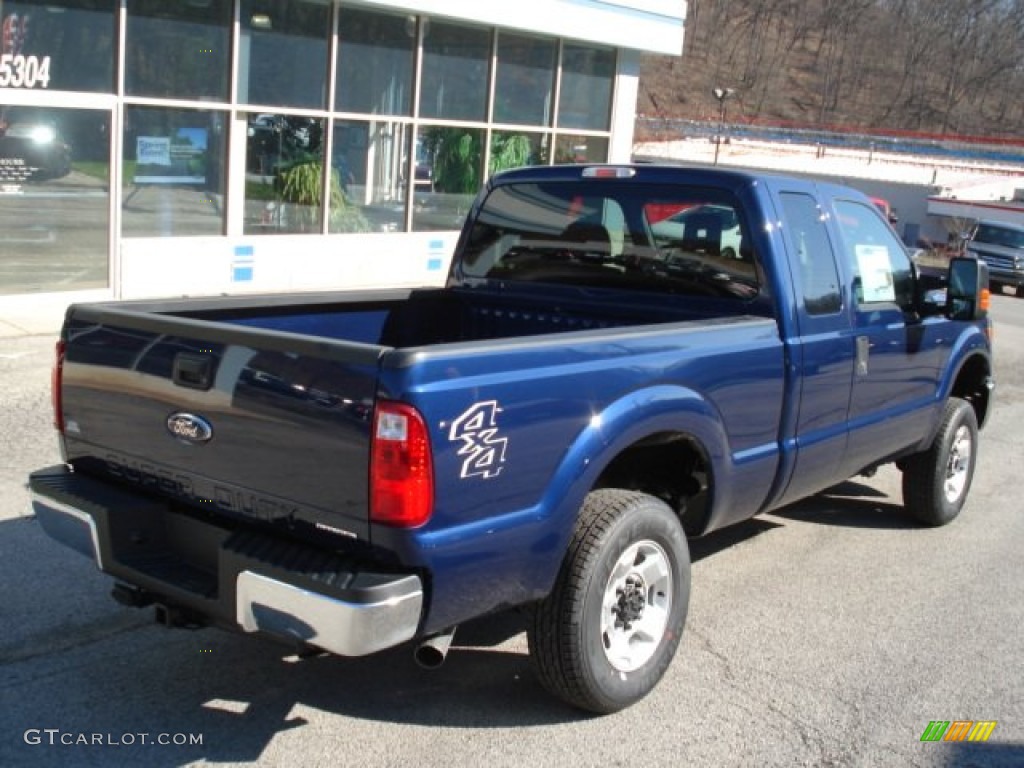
510, 150
457, 157
301, 185
457, 154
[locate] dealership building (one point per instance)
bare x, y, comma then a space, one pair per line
158, 148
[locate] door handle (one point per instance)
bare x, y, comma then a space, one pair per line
863, 350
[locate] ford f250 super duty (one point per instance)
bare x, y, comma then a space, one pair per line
352, 471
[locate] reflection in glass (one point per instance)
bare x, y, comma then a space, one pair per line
282, 57
452, 159
60, 45
818, 274
523, 88
586, 92
174, 167
514, 150
54, 199
178, 50
368, 163
375, 56
581, 149
454, 83
284, 158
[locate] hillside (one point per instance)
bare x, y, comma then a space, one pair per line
944, 67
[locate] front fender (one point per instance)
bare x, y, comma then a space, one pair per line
969, 347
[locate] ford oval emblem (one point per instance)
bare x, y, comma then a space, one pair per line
189, 427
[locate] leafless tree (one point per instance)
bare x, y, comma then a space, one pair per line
941, 66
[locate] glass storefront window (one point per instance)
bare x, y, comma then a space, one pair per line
452, 158
455, 71
174, 169
586, 93
514, 150
54, 199
178, 50
375, 57
524, 80
282, 57
284, 159
581, 149
60, 45
369, 162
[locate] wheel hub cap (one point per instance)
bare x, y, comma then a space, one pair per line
631, 602
958, 466
635, 606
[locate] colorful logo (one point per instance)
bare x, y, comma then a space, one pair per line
959, 730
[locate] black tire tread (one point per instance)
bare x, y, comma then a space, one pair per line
920, 492
550, 637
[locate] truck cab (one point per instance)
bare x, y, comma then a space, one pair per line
1000, 245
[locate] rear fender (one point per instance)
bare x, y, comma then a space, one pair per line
640, 414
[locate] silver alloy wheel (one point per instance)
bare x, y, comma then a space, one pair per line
636, 605
958, 466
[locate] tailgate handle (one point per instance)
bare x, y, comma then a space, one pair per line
193, 371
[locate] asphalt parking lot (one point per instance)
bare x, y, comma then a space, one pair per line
829, 634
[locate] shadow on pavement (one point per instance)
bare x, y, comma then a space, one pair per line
851, 505
982, 755
71, 659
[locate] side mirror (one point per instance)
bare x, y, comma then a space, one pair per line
967, 294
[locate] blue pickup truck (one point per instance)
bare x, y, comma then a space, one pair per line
596, 382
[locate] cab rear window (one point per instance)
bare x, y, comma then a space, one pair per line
629, 236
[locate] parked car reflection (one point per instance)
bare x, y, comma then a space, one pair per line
33, 152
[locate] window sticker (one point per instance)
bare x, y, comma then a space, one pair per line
876, 277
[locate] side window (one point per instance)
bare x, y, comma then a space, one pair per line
814, 259
878, 261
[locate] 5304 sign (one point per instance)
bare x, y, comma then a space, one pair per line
17, 71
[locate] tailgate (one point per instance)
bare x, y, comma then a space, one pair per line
245, 422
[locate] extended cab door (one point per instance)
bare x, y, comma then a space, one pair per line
822, 353
898, 355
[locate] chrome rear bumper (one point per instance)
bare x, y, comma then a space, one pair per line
241, 578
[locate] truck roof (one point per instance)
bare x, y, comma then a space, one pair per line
666, 173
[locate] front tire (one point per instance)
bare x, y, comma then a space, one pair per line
936, 481
608, 631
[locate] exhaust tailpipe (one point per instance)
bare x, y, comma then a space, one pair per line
431, 653
171, 616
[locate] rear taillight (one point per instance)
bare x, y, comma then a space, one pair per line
401, 467
56, 381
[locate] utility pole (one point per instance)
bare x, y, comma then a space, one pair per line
721, 94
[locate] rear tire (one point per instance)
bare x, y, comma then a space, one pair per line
608, 631
936, 481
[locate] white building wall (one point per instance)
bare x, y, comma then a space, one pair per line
209, 266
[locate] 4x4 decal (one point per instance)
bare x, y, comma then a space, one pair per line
483, 449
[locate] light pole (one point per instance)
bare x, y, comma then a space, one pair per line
721, 94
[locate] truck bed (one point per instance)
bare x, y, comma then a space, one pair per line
290, 383
429, 317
